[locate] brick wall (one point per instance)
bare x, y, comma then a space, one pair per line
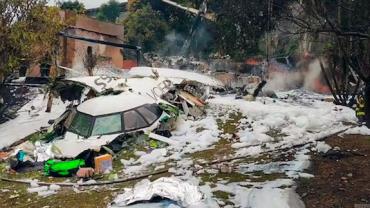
73, 51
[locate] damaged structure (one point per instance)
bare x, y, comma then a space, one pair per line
109, 114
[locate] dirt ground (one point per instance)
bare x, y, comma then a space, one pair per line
340, 180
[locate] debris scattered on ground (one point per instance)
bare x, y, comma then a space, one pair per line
229, 151
43, 191
31, 117
181, 193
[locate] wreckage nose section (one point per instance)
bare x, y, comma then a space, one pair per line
99, 121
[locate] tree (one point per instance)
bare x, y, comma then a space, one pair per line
179, 20
145, 27
109, 11
74, 6
242, 24
344, 26
28, 32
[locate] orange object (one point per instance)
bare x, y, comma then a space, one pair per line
128, 64
103, 163
4, 155
192, 99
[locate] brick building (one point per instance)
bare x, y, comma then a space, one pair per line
72, 51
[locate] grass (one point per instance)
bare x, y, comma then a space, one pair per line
102, 196
276, 134
231, 124
65, 197
229, 177
221, 195
200, 129
222, 148
18, 197
233, 177
258, 159
260, 176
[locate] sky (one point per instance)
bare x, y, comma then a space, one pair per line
89, 3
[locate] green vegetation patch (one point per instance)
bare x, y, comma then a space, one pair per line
276, 134
231, 124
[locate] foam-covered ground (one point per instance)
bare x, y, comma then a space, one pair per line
264, 132
30, 118
260, 133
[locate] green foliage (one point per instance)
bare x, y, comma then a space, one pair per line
134, 5
109, 12
178, 20
186, 3
145, 27
237, 31
241, 24
74, 6
28, 32
278, 46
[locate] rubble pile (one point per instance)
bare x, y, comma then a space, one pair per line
139, 110
176, 62
153, 121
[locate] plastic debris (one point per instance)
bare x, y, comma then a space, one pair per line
37, 189
43, 152
183, 193
62, 168
163, 139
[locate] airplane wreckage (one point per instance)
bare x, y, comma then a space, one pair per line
109, 114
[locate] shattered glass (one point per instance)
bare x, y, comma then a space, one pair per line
150, 113
133, 120
81, 124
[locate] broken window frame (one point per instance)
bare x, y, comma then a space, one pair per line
109, 115
156, 111
147, 106
124, 116
92, 121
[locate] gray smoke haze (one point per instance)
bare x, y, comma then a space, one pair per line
172, 44
176, 44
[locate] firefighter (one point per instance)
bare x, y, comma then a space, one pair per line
360, 109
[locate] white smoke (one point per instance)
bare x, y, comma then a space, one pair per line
305, 77
284, 81
312, 75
